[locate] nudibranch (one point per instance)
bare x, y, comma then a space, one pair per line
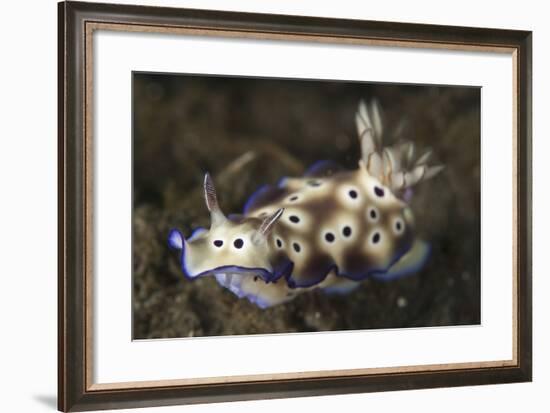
330, 228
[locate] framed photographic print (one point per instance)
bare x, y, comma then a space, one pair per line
260, 206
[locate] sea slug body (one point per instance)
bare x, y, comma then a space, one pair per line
331, 228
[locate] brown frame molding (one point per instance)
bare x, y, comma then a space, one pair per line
77, 21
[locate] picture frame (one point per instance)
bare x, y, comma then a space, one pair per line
77, 390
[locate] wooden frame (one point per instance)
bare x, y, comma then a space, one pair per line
76, 24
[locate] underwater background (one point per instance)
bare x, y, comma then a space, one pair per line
251, 131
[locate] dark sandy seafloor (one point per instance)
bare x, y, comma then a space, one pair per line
250, 132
